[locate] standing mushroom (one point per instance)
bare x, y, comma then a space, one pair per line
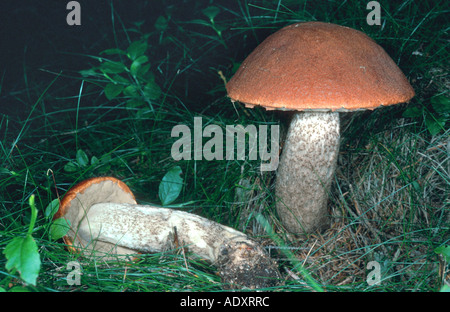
318, 69
106, 221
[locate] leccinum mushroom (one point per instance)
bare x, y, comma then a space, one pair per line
319, 69
106, 220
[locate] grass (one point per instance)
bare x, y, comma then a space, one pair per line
390, 199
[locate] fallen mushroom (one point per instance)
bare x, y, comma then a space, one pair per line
106, 221
319, 69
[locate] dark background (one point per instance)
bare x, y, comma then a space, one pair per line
36, 42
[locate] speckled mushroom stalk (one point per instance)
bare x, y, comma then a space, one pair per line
106, 222
306, 171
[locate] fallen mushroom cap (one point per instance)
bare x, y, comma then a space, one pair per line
319, 69
77, 202
106, 221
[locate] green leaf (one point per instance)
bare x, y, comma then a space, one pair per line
413, 112
82, 158
136, 49
135, 103
95, 161
131, 91
110, 67
71, 167
444, 251
88, 72
441, 104
201, 22
136, 65
112, 90
146, 75
52, 208
5, 171
435, 123
211, 12
19, 289
59, 228
113, 51
141, 59
23, 256
152, 91
143, 72
161, 23
117, 79
170, 186
34, 213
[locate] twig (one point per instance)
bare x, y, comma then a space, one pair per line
183, 252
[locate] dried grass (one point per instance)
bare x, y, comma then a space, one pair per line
390, 204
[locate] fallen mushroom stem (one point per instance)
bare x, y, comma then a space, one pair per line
147, 229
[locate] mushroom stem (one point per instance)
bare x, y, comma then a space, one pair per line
306, 170
147, 228
142, 228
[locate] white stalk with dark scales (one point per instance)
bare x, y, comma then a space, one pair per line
306, 171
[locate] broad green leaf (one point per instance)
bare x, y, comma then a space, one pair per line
82, 158
444, 251
170, 186
435, 123
413, 112
211, 12
441, 104
52, 208
136, 65
19, 289
5, 171
71, 167
143, 72
95, 161
131, 91
112, 90
136, 49
135, 103
161, 23
146, 75
59, 228
88, 72
110, 67
141, 59
120, 80
34, 213
113, 51
23, 256
152, 91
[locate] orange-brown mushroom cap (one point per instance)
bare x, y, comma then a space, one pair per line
319, 66
81, 187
